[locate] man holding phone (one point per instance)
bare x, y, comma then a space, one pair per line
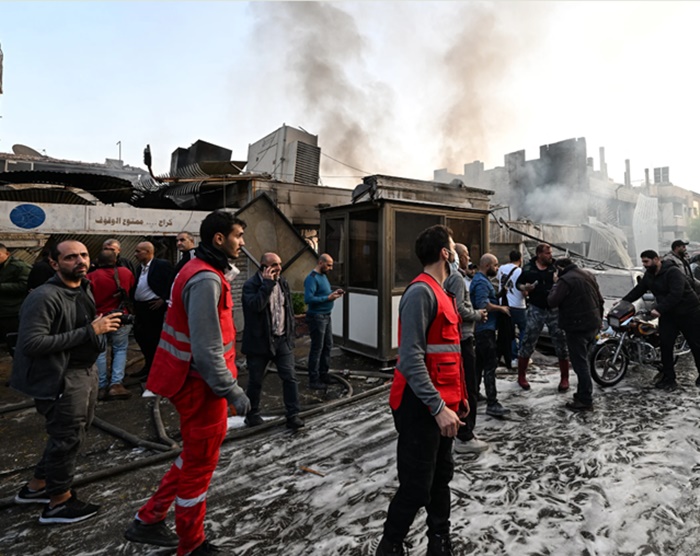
269, 336
319, 297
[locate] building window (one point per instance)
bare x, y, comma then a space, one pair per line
407, 227
364, 250
677, 209
468, 232
335, 247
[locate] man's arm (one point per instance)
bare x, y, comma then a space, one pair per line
638, 291
16, 283
456, 286
558, 293
256, 294
676, 286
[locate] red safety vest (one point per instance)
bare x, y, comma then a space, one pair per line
171, 364
443, 356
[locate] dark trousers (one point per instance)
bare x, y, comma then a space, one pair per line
425, 466
67, 420
8, 325
466, 432
147, 329
486, 363
284, 361
669, 326
321, 334
580, 345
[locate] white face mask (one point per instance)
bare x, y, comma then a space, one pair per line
454, 266
231, 273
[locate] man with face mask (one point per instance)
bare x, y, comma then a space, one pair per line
483, 296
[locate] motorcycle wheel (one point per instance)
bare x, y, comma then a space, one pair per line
603, 371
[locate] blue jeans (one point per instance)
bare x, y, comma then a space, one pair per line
119, 340
321, 344
519, 319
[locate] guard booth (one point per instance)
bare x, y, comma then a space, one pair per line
373, 247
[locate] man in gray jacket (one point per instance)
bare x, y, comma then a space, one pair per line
59, 340
466, 442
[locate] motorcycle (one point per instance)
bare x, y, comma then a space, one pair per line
633, 338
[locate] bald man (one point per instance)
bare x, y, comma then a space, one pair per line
153, 280
114, 245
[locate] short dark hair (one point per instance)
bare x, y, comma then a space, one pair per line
515, 256
649, 254
430, 242
563, 262
107, 258
219, 221
541, 247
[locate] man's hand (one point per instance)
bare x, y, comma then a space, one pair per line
527, 287
155, 304
241, 403
505, 309
449, 422
655, 313
107, 323
484, 314
270, 273
335, 295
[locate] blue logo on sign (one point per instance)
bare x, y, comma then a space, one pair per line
27, 216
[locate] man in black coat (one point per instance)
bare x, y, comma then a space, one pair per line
154, 277
677, 307
576, 294
269, 336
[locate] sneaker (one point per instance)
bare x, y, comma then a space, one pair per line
667, 384
148, 394
254, 420
158, 534
473, 446
118, 392
439, 545
496, 410
71, 511
206, 548
387, 548
577, 405
28, 496
295, 422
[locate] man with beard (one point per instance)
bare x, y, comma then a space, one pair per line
319, 298
677, 308
483, 296
59, 340
679, 256
536, 281
194, 367
577, 296
185, 244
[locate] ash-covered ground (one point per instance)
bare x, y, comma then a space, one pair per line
622, 480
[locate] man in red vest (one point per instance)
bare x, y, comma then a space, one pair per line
428, 399
194, 367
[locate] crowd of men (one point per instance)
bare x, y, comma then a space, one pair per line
451, 318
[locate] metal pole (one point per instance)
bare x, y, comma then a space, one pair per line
120, 150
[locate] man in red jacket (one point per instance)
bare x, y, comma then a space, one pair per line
195, 368
110, 286
428, 399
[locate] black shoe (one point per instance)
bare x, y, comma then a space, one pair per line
27, 496
326, 379
151, 533
667, 384
496, 410
71, 511
317, 386
206, 548
295, 422
576, 405
254, 420
387, 548
439, 545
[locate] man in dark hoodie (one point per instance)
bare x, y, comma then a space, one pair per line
577, 296
677, 307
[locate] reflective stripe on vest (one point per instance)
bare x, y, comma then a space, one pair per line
189, 502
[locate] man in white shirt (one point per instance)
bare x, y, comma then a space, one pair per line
506, 278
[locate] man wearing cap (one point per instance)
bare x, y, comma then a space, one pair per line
678, 255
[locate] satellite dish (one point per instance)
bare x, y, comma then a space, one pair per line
23, 150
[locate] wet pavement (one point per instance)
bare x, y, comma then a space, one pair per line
622, 480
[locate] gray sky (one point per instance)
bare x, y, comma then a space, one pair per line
399, 88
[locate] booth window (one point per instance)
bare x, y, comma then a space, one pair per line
335, 247
364, 249
469, 232
407, 227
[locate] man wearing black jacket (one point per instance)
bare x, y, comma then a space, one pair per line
577, 296
677, 307
269, 336
154, 277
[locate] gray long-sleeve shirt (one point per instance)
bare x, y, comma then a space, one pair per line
417, 310
456, 286
200, 297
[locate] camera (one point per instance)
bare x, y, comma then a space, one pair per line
124, 319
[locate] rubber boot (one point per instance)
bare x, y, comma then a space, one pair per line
522, 371
564, 370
